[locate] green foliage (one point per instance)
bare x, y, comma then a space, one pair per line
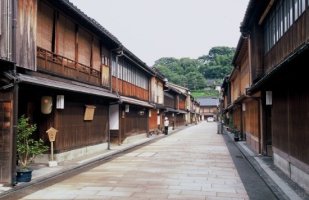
218, 56
205, 93
27, 147
218, 62
196, 74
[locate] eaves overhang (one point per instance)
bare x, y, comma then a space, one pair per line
266, 77
72, 86
138, 102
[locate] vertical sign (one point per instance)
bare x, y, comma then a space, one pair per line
269, 98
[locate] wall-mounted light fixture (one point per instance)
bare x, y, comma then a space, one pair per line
269, 98
127, 108
46, 104
243, 106
141, 112
60, 102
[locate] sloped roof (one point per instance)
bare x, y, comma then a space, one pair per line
208, 101
253, 10
74, 10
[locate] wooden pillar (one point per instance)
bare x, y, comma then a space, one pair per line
7, 152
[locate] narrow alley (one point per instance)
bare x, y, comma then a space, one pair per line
193, 163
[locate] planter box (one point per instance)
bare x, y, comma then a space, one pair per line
24, 176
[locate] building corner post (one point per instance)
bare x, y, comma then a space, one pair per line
15, 90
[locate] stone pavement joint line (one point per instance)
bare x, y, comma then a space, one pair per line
192, 164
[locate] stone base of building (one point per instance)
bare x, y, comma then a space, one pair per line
73, 154
134, 138
253, 143
299, 176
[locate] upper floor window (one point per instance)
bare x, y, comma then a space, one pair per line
281, 18
130, 74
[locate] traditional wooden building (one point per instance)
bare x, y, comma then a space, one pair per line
156, 115
225, 94
208, 107
277, 34
244, 109
174, 102
131, 82
7, 92
65, 75
194, 111
61, 78
184, 102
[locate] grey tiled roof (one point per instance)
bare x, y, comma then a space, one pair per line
208, 101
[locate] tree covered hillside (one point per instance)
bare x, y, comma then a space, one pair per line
201, 74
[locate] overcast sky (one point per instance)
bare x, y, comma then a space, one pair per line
152, 29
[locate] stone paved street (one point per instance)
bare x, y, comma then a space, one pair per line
191, 164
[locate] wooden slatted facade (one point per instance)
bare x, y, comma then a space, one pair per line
66, 49
294, 38
58, 43
134, 122
278, 34
6, 96
169, 100
66, 37
73, 131
45, 25
251, 124
26, 42
180, 120
84, 47
153, 120
5, 31
182, 102
157, 99
6, 136
96, 61
289, 114
75, 134
131, 80
235, 85
237, 117
130, 90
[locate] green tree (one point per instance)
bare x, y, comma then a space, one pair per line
197, 74
218, 63
218, 56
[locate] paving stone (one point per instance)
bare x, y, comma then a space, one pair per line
192, 164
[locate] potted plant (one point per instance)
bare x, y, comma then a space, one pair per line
27, 148
236, 135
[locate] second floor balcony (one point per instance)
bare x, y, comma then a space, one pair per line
52, 63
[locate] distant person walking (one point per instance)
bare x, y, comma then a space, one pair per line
166, 124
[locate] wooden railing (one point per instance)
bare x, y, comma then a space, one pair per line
55, 64
130, 90
297, 35
169, 102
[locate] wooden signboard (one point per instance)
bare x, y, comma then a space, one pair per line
105, 75
89, 113
52, 134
